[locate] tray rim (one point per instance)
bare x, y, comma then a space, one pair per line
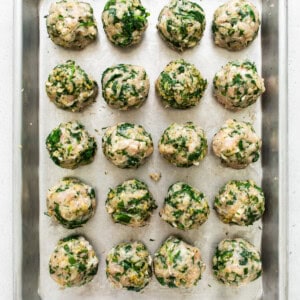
18, 163
283, 157
17, 159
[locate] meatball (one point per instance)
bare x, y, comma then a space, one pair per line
235, 25
236, 262
237, 144
71, 202
130, 203
70, 145
178, 264
125, 86
70, 87
128, 265
180, 85
183, 145
124, 22
181, 24
73, 262
71, 24
185, 207
127, 145
240, 202
238, 85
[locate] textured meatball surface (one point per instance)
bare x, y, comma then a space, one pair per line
124, 22
180, 85
236, 262
127, 145
125, 86
71, 202
235, 25
69, 87
178, 264
237, 144
183, 145
181, 24
130, 203
128, 265
237, 85
70, 145
185, 207
73, 262
71, 24
240, 202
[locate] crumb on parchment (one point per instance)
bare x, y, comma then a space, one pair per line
155, 176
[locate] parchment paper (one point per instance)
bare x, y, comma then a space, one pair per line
153, 54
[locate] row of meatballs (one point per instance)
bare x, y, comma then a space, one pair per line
181, 23
176, 264
72, 203
180, 86
128, 145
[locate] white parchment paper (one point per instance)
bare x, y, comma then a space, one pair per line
153, 54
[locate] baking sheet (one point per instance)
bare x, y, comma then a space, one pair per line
153, 54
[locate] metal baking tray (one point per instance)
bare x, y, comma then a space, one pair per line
27, 161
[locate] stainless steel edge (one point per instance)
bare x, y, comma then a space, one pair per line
26, 160
283, 245
17, 175
274, 241
26, 145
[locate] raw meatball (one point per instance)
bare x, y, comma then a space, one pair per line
235, 25
71, 24
181, 24
130, 203
180, 85
70, 145
178, 264
185, 207
238, 85
237, 144
183, 145
70, 87
73, 262
128, 265
125, 86
127, 145
240, 202
124, 22
236, 262
71, 202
